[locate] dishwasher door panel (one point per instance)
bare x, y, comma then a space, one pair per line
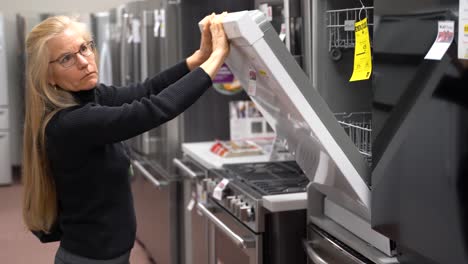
153, 213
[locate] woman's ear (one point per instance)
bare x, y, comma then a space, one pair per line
50, 78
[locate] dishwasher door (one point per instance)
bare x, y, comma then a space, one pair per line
155, 200
323, 249
194, 234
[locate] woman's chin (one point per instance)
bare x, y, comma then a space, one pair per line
90, 84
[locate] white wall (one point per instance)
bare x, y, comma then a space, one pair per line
9, 8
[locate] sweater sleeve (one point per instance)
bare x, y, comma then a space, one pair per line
93, 124
116, 96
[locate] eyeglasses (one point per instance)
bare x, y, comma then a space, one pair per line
69, 59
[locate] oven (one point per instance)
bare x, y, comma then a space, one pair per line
235, 227
212, 234
230, 242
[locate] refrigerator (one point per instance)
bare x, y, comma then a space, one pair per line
5, 163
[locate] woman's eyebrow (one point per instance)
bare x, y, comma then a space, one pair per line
69, 52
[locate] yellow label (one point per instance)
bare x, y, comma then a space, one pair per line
466, 29
362, 52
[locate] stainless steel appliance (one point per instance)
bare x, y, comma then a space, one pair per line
339, 192
287, 18
155, 190
101, 35
244, 223
350, 222
169, 33
5, 165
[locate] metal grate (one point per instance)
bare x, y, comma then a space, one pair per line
358, 126
340, 26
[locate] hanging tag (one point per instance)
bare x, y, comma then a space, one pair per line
362, 52
349, 25
157, 23
445, 35
219, 189
282, 34
252, 89
163, 23
463, 30
190, 205
136, 36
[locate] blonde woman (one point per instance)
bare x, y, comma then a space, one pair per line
75, 170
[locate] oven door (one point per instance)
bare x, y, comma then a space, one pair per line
230, 242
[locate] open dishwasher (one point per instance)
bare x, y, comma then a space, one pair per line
357, 212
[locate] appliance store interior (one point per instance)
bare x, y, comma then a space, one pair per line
331, 133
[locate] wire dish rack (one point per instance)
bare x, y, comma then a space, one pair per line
358, 126
340, 26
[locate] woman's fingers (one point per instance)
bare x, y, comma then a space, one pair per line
206, 39
218, 35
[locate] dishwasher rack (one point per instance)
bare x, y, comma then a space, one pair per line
340, 26
358, 126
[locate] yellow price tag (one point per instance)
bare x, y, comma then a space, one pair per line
362, 52
466, 29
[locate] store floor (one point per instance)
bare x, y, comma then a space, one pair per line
19, 246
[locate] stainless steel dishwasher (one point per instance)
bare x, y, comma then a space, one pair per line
156, 203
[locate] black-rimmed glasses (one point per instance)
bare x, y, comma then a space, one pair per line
69, 59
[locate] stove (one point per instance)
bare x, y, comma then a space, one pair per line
271, 178
248, 183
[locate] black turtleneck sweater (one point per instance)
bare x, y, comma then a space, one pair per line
90, 166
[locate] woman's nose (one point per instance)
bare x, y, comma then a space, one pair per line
81, 60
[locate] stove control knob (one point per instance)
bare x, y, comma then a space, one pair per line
246, 213
227, 201
232, 203
237, 207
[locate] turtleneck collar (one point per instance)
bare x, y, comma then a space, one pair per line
86, 96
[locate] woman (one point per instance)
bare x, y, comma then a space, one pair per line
75, 169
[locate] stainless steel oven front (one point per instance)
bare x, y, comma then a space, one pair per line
230, 242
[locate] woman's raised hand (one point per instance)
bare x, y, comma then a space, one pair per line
204, 52
206, 39
220, 44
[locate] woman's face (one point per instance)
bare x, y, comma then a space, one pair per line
63, 48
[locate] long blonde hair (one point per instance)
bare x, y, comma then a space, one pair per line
42, 101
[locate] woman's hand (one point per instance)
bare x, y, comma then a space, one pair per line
220, 42
202, 54
220, 46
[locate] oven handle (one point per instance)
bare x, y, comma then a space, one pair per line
233, 236
145, 173
313, 255
179, 164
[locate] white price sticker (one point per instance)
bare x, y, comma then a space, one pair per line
218, 191
445, 36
